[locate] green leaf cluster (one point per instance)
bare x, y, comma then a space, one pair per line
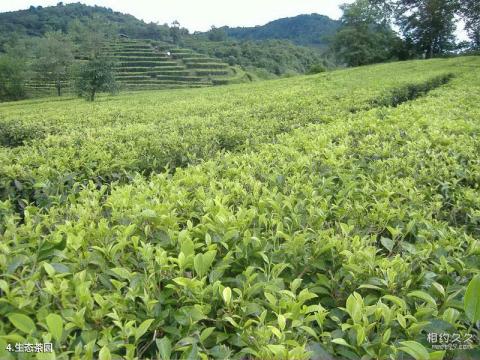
350, 238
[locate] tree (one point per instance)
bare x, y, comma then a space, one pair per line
177, 32
429, 24
217, 34
95, 76
91, 36
54, 58
12, 78
365, 36
470, 12
14, 69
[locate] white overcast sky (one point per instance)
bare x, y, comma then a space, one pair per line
202, 14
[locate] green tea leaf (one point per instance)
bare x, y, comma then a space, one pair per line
354, 307
206, 333
227, 295
424, 296
203, 262
341, 341
415, 349
271, 299
282, 322
49, 269
165, 348
187, 247
437, 355
387, 243
277, 350
105, 354
122, 273
401, 320
142, 328
396, 300
198, 264
472, 299
55, 326
208, 258
22, 322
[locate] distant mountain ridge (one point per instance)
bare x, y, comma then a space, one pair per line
308, 30
273, 49
36, 21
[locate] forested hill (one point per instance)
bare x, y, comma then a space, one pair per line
266, 54
308, 30
36, 21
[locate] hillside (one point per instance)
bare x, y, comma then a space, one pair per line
272, 57
308, 30
331, 216
148, 64
36, 21
275, 57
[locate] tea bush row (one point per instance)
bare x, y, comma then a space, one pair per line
54, 145
348, 239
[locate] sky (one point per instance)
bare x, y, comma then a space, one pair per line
200, 15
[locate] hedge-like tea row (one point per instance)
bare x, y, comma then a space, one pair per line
211, 72
350, 238
164, 85
148, 63
133, 66
142, 69
186, 80
136, 53
169, 72
210, 65
200, 60
149, 132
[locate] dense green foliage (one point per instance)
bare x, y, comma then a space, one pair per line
427, 29
343, 222
157, 65
95, 76
429, 24
307, 30
12, 78
37, 21
63, 152
89, 28
54, 57
471, 13
138, 64
364, 38
275, 56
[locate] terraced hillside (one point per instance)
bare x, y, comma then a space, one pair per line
36, 87
145, 64
156, 65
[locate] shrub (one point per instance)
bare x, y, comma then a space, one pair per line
316, 69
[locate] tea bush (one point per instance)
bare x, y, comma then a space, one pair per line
116, 138
351, 237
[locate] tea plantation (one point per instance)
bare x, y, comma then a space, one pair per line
148, 64
333, 216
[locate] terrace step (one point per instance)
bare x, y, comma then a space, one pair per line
155, 73
144, 63
141, 69
207, 66
155, 57
136, 54
211, 72
164, 81
153, 65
